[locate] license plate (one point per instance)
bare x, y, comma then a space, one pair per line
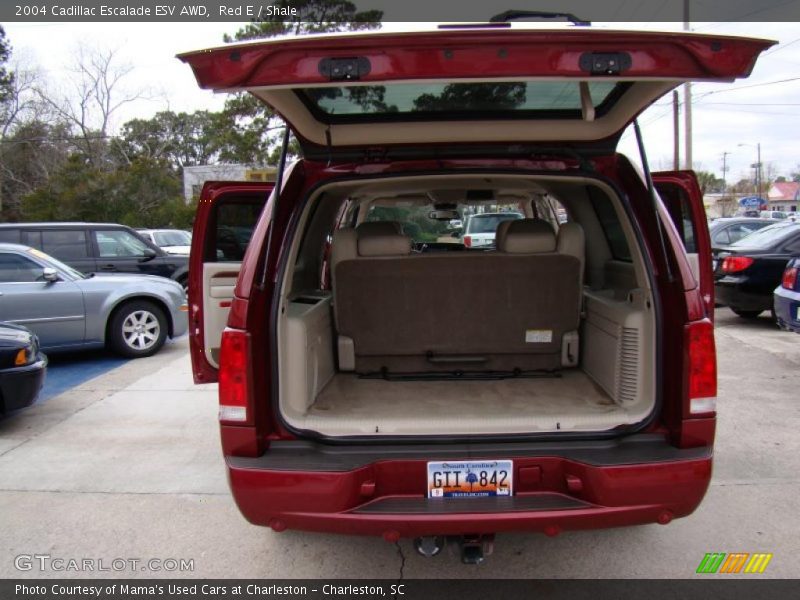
466, 479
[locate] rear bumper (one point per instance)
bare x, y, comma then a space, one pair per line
787, 309
381, 490
19, 386
737, 293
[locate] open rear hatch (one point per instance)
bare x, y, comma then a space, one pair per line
571, 86
452, 92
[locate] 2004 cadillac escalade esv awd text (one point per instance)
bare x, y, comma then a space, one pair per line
374, 380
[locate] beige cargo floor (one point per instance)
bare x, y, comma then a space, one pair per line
352, 406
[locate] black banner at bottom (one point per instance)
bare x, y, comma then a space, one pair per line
732, 588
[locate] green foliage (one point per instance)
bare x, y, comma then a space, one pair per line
313, 16
6, 77
709, 183
145, 193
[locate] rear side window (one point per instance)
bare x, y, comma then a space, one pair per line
9, 236
18, 269
65, 244
609, 221
235, 220
32, 239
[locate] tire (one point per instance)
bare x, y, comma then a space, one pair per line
747, 314
137, 329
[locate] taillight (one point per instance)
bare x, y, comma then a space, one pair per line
702, 367
468, 241
789, 280
234, 377
734, 264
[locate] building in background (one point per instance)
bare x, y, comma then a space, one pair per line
784, 196
195, 177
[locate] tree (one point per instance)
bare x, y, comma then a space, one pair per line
98, 92
313, 16
6, 77
252, 129
181, 139
709, 183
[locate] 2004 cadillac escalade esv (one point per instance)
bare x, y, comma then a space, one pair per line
375, 382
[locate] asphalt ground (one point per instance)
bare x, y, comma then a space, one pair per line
127, 465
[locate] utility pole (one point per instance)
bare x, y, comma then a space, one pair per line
687, 99
676, 132
725, 172
758, 168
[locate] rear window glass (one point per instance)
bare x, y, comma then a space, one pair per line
551, 99
235, 220
764, 238
489, 223
9, 236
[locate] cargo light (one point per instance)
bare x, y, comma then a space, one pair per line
789, 280
702, 366
734, 264
235, 380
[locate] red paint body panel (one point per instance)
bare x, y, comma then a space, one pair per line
422, 55
622, 493
212, 192
324, 501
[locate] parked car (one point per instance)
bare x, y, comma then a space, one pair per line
172, 241
787, 298
772, 214
565, 381
68, 310
727, 230
748, 271
22, 367
98, 248
479, 231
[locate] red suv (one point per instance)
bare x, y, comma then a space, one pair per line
375, 377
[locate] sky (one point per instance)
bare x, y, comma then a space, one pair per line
732, 118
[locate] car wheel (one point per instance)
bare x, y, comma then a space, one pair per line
137, 329
747, 314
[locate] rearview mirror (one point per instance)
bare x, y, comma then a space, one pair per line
443, 215
49, 274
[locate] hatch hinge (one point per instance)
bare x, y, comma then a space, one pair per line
605, 63
344, 69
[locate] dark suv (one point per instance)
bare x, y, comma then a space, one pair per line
98, 247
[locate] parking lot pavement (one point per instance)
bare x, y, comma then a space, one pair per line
127, 465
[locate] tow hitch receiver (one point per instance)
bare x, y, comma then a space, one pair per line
475, 548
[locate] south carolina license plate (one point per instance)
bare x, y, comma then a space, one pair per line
464, 479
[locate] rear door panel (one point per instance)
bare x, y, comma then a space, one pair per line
683, 199
226, 216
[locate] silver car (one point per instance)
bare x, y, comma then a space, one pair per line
130, 314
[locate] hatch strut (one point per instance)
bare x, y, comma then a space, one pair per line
651, 191
277, 193
515, 15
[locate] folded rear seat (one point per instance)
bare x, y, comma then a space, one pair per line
495, 311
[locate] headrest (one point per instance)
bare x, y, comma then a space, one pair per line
571, 240
370, 228
526, 236
384, 245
